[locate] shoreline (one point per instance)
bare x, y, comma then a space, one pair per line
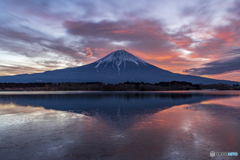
126, 86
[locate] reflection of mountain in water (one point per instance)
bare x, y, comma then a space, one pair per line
119, 126
109, 103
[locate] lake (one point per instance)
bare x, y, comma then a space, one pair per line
119, 125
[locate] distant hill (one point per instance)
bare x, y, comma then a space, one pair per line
117, 67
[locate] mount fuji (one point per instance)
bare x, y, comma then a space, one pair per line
117, 67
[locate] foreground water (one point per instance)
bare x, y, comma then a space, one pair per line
118, 125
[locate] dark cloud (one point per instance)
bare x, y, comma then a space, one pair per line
201, 11
30, 44
234, 52
188, 11
36, 9
236, 8
138, 35
116, 30
11, 34
218, 67
60, 48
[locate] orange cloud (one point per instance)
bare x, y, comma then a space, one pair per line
122, 31
88, 52
183, 42
226, 36
163, 58
233, 76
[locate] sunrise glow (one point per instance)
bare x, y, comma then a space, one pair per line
188, 37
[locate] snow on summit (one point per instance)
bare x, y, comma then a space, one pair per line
119, 57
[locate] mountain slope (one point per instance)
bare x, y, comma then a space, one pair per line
117, 67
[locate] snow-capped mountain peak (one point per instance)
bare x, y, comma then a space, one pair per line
119, 57
117, 67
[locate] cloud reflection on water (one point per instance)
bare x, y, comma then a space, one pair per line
186, 130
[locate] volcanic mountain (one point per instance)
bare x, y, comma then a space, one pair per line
117, 67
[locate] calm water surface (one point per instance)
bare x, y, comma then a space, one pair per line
119, 125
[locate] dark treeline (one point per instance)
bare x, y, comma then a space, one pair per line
126, 86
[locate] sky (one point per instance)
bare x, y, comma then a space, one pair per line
196, 37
